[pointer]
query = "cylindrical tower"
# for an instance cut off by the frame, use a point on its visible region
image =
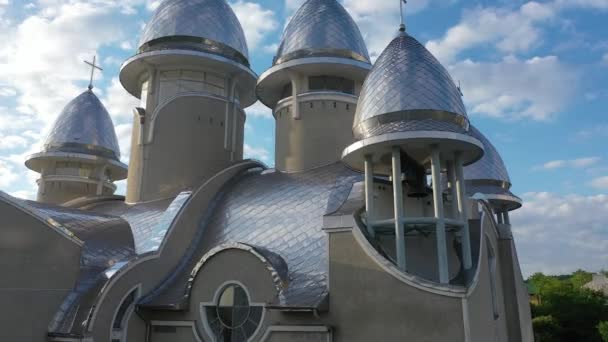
(192, 75)
(489, 177)
(81, 156)
(411, 117)
(313, 85)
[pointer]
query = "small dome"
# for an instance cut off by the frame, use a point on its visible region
(207, 25)
(322, 28)
(407, 90)
(490, 167)
(84, 126)
(489, 176)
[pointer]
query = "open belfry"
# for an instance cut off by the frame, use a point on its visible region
(384, 218)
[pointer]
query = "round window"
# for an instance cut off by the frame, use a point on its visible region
(233, 318)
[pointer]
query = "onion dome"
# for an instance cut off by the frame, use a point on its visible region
(489, 176)
(83, 131)
(409, 90)
(410, 100)
(200, 25)
(322, 28)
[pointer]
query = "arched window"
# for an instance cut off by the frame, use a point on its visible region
(233, 318)
(122, 315)
(492, 274)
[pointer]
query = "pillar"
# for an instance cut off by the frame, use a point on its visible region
(452, 179)
(462, 210)
(369, 194)
(499, 217)
(399, 210)
(442, 253)
(506, 218)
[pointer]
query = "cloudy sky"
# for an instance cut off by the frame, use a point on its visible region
(534, 76)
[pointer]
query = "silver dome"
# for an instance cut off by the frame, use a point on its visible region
(490, 167)
(84, 126)
(408, 89)
(210, 25)
(321, 28)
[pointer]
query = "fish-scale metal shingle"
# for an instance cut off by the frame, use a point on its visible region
(490, 166)
(84, 126)
(407, 78)
(322, 28)
(211, 20)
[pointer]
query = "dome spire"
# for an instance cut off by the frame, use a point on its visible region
(93, 67)
(402, 26)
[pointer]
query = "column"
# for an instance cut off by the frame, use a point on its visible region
(398, 205)
(499, 217)
(442, 253)
(452, 180)
(295, 78)
(369, 194)
(505, 215)
(462, 210)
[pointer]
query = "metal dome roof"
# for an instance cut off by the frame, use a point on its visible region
(490, 167)
(408, 84)
(210, 24)
(322, 28)
(84, 126)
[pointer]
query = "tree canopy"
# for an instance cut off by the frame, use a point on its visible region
(567, 311)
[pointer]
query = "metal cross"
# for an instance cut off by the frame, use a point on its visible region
(93, 67)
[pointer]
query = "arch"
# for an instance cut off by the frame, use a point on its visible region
(123, 313)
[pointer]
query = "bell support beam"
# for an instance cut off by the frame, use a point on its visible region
(462, 210)
(399, 210)
(369, 194)
(442, 253)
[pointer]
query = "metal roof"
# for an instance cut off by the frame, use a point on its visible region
(321, 28)
(84, 126)
(407, 83)
(490, 167)
(210, 23)
(281, 213)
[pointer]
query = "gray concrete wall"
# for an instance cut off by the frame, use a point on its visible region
(362, 294)
(482, 322)
(59, 192)
(186, 148)
(317, 138)
(39, 266)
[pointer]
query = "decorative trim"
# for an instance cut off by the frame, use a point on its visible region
(179, 324)
(297, 328)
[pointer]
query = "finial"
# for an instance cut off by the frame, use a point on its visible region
(402, 26)
(93, 67)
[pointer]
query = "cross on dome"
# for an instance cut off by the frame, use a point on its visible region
(402, 26)
(93, 67)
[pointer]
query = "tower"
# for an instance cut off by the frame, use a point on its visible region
(81, 156)
(411, 121)
(313, 85)
(489, 177)
(192, 75)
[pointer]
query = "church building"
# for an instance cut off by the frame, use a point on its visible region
(384, 218)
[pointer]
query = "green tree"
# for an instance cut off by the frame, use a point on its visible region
(546, 329)
(602, 327)
(580, 278)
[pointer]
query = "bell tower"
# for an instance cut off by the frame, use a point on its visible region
(314, 84)
(191, 73)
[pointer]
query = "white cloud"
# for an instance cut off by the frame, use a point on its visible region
(510, 31)
(7, 174)
(600, 183)
(259, 153)
(24, 194)
(561, 233)
(259, 110)
(12, 142)
(597, 131)
(257, 21)
(605, 59)
(271, 48)
(119, 102)
(579, 163)
(536, 88)
(7, 92)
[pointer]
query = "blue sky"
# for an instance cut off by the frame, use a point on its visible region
(534, 76)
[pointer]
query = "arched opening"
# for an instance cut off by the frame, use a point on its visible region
(121, 317)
